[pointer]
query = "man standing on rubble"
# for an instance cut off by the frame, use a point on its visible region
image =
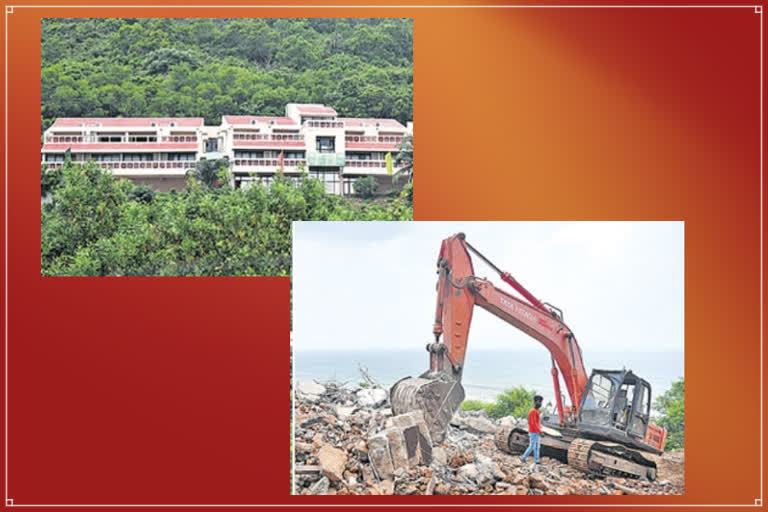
(534, 431)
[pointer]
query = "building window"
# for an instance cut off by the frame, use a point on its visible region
(329, 179)
(326, 144)
(106, 157)
(137, 157)
(54, 157)
(359, 156)
(246, 155)
(186, 157)
(110, 138)
(348, 188)
(142, 138)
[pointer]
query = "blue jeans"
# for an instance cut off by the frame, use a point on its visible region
(534, 444)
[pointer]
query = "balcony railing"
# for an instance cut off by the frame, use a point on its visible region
(268, 163)
(366, 163)
(132, 165)
(324, 124)
(82, 140)
(375, 139)
(269, 136)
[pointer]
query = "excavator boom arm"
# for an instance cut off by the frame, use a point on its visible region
(459, 290)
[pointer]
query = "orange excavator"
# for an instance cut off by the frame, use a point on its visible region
(606, 428)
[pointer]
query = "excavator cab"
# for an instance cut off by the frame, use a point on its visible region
(616, 405)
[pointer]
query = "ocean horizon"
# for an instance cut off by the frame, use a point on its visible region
(487, 372)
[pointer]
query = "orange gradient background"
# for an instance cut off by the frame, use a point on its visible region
(521, 114)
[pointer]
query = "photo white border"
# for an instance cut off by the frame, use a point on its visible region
(758, 9)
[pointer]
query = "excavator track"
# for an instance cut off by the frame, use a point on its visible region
(578, 454)
(609, 459)
(595, 457)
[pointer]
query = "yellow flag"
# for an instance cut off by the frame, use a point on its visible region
(388, 159)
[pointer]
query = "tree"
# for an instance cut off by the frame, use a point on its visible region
(365, 186)
(671, 406)
(96, 225)
(512, 402)
(200, 67)
(404, 158)
(209, 172)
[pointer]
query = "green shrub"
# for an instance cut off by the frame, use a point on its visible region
(49, 179)
(143, 194)
(512, 402)
(475, 405)
(671, 406)
(366, 186)
(96, 225)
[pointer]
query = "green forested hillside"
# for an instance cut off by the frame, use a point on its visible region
(211, 67)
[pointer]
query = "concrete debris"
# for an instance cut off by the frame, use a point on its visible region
(309, 390)
(333, 461)
(372, 397)
(348, 442)
(320, 487)
(473, 424)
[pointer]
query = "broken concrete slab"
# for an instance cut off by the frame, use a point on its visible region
(397, 447)
(333, 461)
(380, 456)
(309, 388)
(372, 397)
(473, 424)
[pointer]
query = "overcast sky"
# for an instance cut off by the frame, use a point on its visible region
(371, 285)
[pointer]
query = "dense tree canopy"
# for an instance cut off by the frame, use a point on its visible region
(210, 67)
(95, 225)
(671, 405)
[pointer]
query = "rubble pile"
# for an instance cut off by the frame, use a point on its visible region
(348, 442)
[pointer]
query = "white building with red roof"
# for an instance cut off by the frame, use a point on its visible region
(160, 151)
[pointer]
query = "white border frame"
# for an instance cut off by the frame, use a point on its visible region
(758, 9)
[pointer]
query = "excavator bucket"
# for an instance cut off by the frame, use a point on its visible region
(439, 397)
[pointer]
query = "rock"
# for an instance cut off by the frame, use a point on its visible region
(397, 448)
(459, 459)
(468, 472)
(380, 456)
(537, 481)
(368, 476)
(488, 468)
(371, 397)
(320, 487)
(346, 440)
(309, 388)
(311, 420)
(361, 450)
(303, 447)
(439, 458)
(431, 485)
(343, 412)
(441, 488)
(386, 487)
(333, 461)
(476, 425)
